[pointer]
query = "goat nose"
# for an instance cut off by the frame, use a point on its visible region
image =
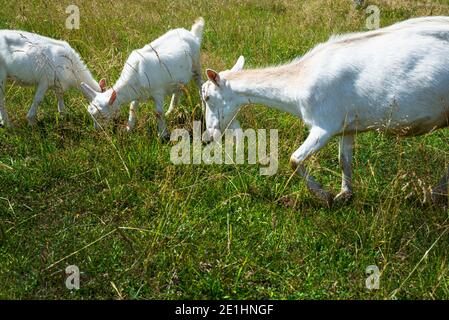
(91, 110)
(205, 139)
(207, 136)
(210, 134)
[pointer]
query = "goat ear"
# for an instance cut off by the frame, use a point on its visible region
(213, 76)
(87, 91)
(239, 64)
(113, 97)
(102, 85)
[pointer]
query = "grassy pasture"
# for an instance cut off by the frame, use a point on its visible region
(139, 227)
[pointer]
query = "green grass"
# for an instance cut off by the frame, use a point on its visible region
(208, 231)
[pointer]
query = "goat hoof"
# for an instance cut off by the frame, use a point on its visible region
(439, 199)
(6, 125)
(165, 137)
(343, 197)
(327, 198)
(31, 122)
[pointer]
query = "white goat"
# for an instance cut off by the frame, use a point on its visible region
(158, 69)
(393, 80)
(31, 59)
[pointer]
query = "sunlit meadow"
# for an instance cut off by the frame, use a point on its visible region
(140, 227)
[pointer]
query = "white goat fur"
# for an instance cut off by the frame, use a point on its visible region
(33, 60)
(393, 80)
(159, 68)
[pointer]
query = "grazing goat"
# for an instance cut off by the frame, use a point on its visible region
(393, 80)
(31, 59)
(159, 68)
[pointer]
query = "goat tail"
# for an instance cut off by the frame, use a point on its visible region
(197, 28)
